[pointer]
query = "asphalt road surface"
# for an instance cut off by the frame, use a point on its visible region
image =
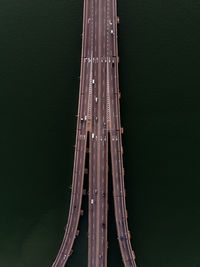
(98, 120)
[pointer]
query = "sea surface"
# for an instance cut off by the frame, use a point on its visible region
(40, 48)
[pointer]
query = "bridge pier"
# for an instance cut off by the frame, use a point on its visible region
(81, 212)
(84, 192)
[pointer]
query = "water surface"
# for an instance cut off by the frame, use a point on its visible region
(159, 79)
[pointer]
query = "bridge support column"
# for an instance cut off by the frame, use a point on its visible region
(81, 212)
(129, 234)
(126, 214)
(123, 171)
(84, 192)
(133, 254)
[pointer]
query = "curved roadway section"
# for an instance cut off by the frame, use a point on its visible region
(117, 160)
(80, 146)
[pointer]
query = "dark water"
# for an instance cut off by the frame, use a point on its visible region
(159, 79)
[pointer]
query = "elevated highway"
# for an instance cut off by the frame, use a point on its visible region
(98, 120)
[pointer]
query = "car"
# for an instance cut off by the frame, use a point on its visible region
(95, 191)
(104, 125)
(96, 99)
(92, 135)
(100, 257)
(82, 119)
(92, 201)
(92, 81)
(112, 32)
(96, 119)
(65, 256)
(121, 238)
(85, 117)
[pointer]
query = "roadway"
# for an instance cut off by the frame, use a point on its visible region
(98, 118)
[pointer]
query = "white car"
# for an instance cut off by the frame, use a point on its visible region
(92, 135)
(92, 201)
(92, 81)
(96, 99)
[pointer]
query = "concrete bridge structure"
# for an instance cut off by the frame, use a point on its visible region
(98, 132)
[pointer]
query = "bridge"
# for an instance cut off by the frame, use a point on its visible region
(98, 132)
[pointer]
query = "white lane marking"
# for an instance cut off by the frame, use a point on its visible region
(90, 91)
(108, 94)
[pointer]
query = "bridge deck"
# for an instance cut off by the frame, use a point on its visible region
(98, 117)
